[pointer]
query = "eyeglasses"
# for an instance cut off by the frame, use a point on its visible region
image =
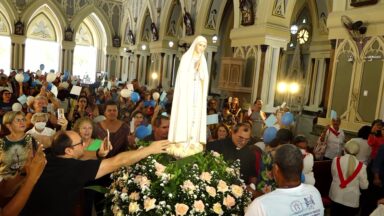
(19, 120)
(80, 143)
(6, 93)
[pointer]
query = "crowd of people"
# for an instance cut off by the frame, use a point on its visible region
(47, 157)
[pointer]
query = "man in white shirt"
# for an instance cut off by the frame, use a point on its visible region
(334, 137)
(291, 197)
(362, 139)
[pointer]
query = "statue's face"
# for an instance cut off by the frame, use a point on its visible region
(200, 48)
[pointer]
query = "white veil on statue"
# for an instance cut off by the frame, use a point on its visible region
(189, 105)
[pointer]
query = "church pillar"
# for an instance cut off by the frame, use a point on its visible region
(161, 71)
(67, 56)
(137, 65)
(269, 77)
(263, 49)
(327, 83)
(18, 51)
(121, 68)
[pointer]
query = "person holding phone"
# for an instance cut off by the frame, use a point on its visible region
(79, 109)
(39, 104)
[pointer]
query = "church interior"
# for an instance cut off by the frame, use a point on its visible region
(317, 59)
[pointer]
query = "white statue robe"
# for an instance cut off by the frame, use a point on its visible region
(189, 105)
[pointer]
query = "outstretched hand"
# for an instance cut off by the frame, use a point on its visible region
(158, 147)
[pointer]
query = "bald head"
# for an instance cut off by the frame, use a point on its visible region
(63, 140)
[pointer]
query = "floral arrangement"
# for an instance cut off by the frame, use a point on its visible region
(202, 184)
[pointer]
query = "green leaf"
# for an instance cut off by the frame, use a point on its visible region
(97, 188)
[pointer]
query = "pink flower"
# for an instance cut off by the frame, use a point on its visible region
(149, 204)
(181, 209)
(222, 186)
(229, 201)
(199, 206)
(206, 176)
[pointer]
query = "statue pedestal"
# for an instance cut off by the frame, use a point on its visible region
(182, 150)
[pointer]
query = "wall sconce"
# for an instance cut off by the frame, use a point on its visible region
(294, 29)
(214, 39)
(154, 75)
(170, 44)
(356, 29)
(350, 58)
(291, 88)
(143, 47)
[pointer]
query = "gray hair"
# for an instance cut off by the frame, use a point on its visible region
(37, 115)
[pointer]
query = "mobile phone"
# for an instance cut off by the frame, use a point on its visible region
(60, 113)
(45, 110)
(107, 143)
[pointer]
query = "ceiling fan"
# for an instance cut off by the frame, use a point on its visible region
(356, 29)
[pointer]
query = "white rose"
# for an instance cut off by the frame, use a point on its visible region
(149, 204)
(181, 209)
(229, 201)
(133, 207)
(198, 206)
(206, 176)
(124, 196)
(134, 196)
(217, 209)
(211, 191)
(237, 191)
(222, 186)
(188, 186)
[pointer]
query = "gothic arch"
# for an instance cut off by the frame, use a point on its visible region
(91, 10)
(239, 53)
(141, 24)
(9, 13)
(368, 46)
(165, 18)
(341, 48)
(128, 23)
(152, 11)
(51, 10)
(200, 20)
